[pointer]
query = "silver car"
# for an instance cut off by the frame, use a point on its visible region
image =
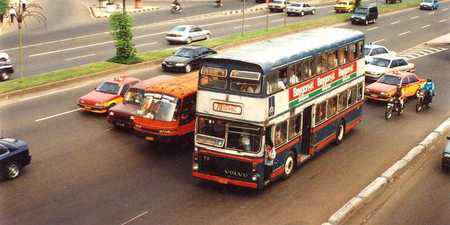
(300, 9)
(187, 34)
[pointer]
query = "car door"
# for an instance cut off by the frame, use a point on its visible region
(306, 8)
(403, 65)
(198, 53)
(198, 33)
(414, 84)
(4, 152)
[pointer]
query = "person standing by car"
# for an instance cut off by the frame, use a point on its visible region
(269, 156)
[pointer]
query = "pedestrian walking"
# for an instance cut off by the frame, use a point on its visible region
(269, 156)
(12, 14)
(24, 5)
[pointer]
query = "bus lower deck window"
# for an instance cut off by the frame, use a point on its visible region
(321, 110)
(342, 101)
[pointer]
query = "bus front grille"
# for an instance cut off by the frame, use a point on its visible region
(225, 167)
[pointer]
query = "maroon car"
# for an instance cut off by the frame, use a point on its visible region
(121, 114)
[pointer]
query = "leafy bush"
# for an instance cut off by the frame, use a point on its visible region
(3, 6)
(121, 31)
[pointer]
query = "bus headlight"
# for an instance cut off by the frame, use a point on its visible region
(195, 166)
(254, 178)
(132, 118)
(111, 113)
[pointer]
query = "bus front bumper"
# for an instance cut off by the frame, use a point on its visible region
(223, 180)
(157, 137)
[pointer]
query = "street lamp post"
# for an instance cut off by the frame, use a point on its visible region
(243, 17)
(123, 7)
(267, 15)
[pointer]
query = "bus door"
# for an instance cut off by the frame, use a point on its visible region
(187, 117)
(306, 136)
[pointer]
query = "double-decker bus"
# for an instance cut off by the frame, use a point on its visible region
(293, 94)
(167, 112)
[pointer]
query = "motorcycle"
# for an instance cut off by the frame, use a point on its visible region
(6, 69)
(423, 101)
(218, 4)
(393, 105)
(175, 9)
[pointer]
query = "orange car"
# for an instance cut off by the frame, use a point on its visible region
(385, 87)
(107, 94)
(168, 110)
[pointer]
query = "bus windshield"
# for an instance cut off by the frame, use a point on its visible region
(134, 96)
(158, 107)
(228, 135)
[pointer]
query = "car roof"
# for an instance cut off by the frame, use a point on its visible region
(192, 47)
(389, 57)
(151, 81)
(179, 86)
(401, 74)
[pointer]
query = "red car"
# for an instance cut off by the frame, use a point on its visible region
(384, 88)
(107, 94)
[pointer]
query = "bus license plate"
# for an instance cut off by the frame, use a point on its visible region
(149, 138)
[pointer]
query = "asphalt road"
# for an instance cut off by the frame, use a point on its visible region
(90, 43)
(86, 172)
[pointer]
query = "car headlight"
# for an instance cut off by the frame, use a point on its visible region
(180, 64)
(447, 155)
(131, 117)
(195, 166)
(111, 113)
(383, 93)
(164, 63)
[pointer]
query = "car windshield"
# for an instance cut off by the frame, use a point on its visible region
(366, 51)
(178, 29)
(185, 52)
(295, 5)
(278, 1)
(158, 107)
(380, 62)
(134, 96)
(389, 79)
(239, 137)
(360, 11)
(108, 87)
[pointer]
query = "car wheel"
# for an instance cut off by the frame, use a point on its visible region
(340, 133)
(208, 36)
(12, 171)
(313, 12)
(302, 13)
(187, 68)
(189, 40)
(4, 75)
(374, 20)
(289, 165)
(366, 22)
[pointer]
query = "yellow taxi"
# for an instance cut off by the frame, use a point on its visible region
(344, 6)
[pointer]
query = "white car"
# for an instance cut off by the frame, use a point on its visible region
(6, 67)
(375, 50)
(300, 8)
(187, 34)
(278, 5)
(380, 65)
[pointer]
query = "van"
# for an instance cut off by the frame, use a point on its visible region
(365, 15)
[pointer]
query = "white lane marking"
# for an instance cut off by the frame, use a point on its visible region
(331, 11)
(148, 35)
(414, 17)
(441, 21)
(444, 9)
(239, 27)
(430, 13)
(277, 20)
(56, 115)
(79, 57)
(378, 41)
(404, 33)
(146, 44)
(134, 218)
(428, 25)
(395, 22)
(372, 28)
(70, 49)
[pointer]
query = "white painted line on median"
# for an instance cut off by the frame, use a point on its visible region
(56, 115)
(441, 21)
(404, 33)
(378, 41)
(70, 49)
(331, 11)
(239, 27)
(372, 28)
(134, 218)
(430, 13)
(395, 22)
(277, 20)
(79, 57)
(414, 17)
(428, 25)
(444, 9)
(149, 35)
(146, 44)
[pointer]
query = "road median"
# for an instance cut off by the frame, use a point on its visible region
(40, 82)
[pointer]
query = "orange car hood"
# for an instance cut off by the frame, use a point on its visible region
(96, 97)
(380, 87)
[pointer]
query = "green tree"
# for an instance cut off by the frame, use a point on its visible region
(121, 31)
(3, 6)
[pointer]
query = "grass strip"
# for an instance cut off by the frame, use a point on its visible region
(227, 41)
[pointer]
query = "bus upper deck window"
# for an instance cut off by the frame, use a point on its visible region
(213, 77)
(351, 52)
(341, 55)
(359, 49)
(245, 81)
(292, 74)
(331, 60)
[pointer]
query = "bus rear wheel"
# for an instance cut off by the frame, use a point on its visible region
(289, 165)
(340, 133)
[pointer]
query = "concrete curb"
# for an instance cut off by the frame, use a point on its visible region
(96, 14)
(377, 186)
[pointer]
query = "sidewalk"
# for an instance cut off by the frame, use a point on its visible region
(440, 41)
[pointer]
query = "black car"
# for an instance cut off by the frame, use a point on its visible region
(186, 58)
(14, 155)
(446, 156)
(365, 14)
(6, 67)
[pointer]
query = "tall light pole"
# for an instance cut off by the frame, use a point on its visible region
(243, 17)
(123, 7)
(267, 15)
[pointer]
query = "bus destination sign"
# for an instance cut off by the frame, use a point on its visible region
(227, 108)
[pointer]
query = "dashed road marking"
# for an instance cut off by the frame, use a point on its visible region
(444, 9)
(430, 13)
(56, 115)
(395, 22)
(79, 57)
(146, 44)
(240, 27)
(372, 28)
(414, 17)
(378, 41)
(428, 25)
(441, 21)
(404, 33)
(420, 51)
(134, 218)
(70, 49)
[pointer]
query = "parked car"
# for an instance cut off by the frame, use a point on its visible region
(187, 34)
(446, 156)
(344, 6)
(300, 9)
(372, 50)
(386, 63)
(429, 4)
(385, 87)
(365, 14)
(278, 5)
(106, 95)
(6, 67)
(14, 155)
(121, 115)
(186, 58)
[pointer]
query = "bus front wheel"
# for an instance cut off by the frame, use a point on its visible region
(340, 133)
(289, 165)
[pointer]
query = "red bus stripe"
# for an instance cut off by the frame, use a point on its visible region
(289, 144)
(223, 180)
(277, 172)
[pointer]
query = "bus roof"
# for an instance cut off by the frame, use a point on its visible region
(280, 51)
(178, 86)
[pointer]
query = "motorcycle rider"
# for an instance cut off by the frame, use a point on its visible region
(399, 97)
(219, 3)
(176, 5)
(430, 90)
